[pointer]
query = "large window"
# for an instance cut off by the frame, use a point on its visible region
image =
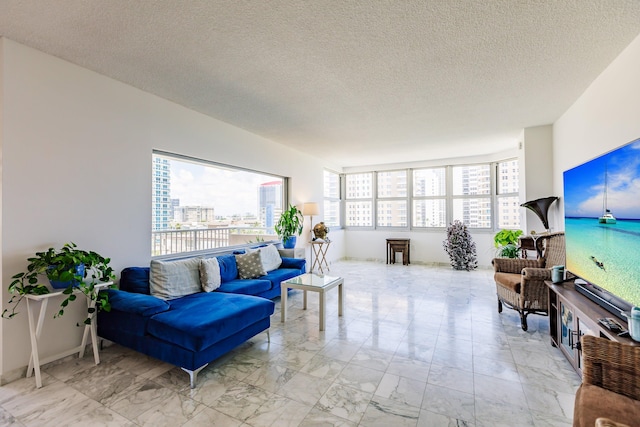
(331, 199)
(199, 205)
(359, 200)
(482, 196)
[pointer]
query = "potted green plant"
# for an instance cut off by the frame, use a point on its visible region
(289, 226)
(506, 242)
(460, 247)
(69, 268)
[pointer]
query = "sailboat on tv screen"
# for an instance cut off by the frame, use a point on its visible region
(607, 217)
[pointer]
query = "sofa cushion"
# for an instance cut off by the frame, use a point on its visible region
(270, 257)
(197, 321)
(250, 265)
(141, 304)
(246, 286)
(135, 279)
(209, 274)
(174, 279)
(280, 275)
(593, 402)
(509, 280)
(228, 267)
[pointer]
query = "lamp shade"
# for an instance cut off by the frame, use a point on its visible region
(310, 208)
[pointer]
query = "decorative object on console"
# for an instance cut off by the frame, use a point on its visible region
(460, 247)
(506, 242)
(320, 231)
(70, 268)
(289, 226)
(541, 208)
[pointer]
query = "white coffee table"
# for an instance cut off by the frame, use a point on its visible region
(314, 283)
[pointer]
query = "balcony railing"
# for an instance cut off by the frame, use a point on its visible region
(168, 242)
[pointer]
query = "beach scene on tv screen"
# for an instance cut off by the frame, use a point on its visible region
(602, 221)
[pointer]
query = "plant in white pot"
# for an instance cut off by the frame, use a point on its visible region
(289, 226)
(68, 268)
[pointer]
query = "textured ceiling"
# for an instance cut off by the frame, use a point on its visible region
(354, 82)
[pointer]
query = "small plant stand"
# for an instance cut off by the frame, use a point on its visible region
(35, 331)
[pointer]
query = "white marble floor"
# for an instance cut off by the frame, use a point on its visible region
(417, 346)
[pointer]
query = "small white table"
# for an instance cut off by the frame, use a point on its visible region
(319, 250)
(314, 283)
(35, 331)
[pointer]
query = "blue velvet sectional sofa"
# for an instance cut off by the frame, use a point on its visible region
(192, 330)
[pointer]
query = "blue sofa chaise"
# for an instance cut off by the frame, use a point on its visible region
(192, 330)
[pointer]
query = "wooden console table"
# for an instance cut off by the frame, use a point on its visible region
(399, 245)
(572, 315)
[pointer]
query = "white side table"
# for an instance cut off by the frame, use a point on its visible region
(314, 283)
(319, 250)
(35, 330)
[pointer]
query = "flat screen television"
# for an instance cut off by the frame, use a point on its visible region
(602, 227)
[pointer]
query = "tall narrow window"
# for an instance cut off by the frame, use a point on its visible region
(359, 200)
(331, 199)
(472, 195)
(199, 205)
(391, 201)
(508, 199)
(429, 198)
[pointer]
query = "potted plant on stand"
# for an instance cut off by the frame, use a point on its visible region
(68, 268)
(506, 242)
(289, 226)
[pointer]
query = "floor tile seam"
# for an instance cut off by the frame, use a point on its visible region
(161, 403)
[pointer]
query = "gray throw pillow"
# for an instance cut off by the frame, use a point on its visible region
(209, 274)
(250, 265)
(174, 279)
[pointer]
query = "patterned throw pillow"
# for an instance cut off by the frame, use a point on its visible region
(250, 265)
(209, 274)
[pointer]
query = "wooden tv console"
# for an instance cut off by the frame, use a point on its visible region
(572, 315)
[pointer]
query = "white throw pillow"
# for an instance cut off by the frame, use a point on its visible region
(270, 258)
(174, 279)
(209, 274)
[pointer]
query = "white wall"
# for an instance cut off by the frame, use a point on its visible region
(606, 116)
(76, 166)
(536, 181)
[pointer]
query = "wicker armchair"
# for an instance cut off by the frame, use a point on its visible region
(520, 282)
(610, 390)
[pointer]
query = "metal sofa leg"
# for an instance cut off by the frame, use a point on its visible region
(193, 375)
(268, 336)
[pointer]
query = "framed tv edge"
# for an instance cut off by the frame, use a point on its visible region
(602, 227)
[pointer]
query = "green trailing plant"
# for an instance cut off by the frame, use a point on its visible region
(62, 266)
(290, 223)
(460, 247)
(506, 242)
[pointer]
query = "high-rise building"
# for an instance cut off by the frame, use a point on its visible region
(162, 211)
(270, 203)
(194, 214)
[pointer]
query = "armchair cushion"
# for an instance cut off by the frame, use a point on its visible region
(593, 402)
(510, 281)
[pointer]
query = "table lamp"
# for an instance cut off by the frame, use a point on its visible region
(310, 209)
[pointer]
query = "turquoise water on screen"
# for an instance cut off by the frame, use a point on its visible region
(616, 246)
